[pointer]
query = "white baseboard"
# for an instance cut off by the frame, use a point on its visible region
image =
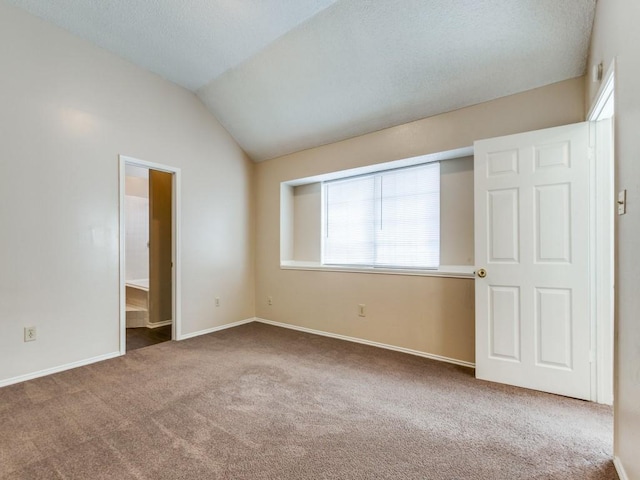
(159, 324)
(88, 361)
(620, 469)
(60, 368)
(216, 329)
(369, 342)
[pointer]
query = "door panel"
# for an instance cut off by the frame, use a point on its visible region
(553, 223)
(504, 322)
(160, 246)
(553, 327)
(503, 226)
(532, 233)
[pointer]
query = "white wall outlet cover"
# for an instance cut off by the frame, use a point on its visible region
(29, 334)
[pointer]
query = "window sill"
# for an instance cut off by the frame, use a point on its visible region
(450, 271)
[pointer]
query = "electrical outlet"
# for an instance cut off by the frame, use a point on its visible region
(270, 300)
(361, 310)
(217, 302)
(29, 334)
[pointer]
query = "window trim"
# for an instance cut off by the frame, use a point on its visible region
(286, 262)
(449, 271)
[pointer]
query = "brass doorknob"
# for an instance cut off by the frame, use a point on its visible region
(481, 273)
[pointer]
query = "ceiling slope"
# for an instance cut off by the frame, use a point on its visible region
(286, 75)
(189, 42)
(361, 66)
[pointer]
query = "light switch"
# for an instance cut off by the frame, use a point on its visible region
(622, 202)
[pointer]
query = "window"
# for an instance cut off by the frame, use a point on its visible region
(387, 219)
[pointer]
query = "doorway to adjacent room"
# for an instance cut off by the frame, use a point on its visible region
(148, 246)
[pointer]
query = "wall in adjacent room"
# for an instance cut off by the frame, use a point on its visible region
(68, 110)
(136, 212)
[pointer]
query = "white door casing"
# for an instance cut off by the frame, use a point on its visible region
(602, 257)
(176, 294)
(533, 326)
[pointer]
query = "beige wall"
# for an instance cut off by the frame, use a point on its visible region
(433, 315)
(616, 34)
(68, 110)
(456, 219)
(307, 218)
(456, 211)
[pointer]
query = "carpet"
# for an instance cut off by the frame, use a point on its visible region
(261, 402)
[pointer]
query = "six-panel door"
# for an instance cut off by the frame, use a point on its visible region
(532, 238)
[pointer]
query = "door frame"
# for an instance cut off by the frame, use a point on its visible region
(176, 291)
(603, 251)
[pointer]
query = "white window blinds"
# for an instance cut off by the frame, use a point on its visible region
(386, 219)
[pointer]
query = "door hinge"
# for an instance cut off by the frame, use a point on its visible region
(591, 153)
(592, 356)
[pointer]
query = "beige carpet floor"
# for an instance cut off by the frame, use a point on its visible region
(260, 402)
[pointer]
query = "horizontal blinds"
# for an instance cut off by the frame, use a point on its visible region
(350, 219)
(387, 219)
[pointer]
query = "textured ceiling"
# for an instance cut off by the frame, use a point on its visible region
(189, 42)
(285, 75)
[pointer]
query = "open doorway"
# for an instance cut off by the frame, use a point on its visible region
(148, 246)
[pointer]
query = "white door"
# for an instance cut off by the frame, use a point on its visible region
(532, 241)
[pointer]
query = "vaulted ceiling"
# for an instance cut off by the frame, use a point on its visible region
(286, 75)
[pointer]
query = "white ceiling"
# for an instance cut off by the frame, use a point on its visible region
(286, 75)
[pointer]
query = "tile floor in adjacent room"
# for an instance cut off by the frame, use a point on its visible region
(145, 337)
